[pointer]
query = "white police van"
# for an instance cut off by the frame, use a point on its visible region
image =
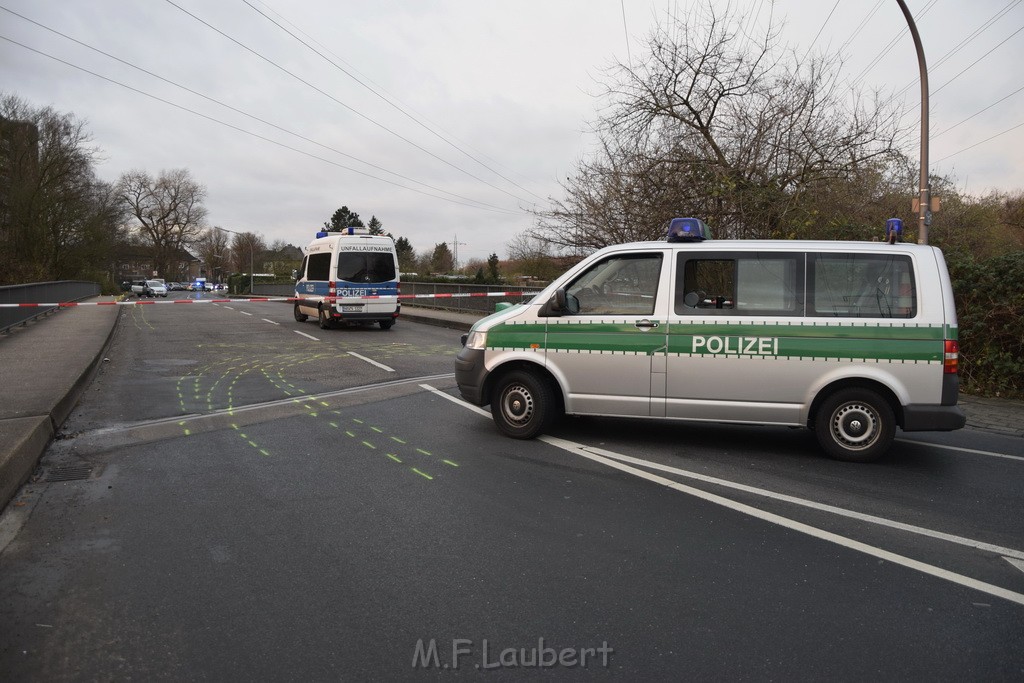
(348, 277)
(849, 339)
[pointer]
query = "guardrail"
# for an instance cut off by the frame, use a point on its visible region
(64, 290)
(460, 304)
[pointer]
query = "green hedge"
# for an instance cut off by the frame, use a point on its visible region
(990, 309)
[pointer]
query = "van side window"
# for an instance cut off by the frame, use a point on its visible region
(319, 267)
(302, 268)
(740, 284)
(862, 286)
(619, 285)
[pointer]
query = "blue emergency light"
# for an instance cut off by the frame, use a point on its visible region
(893, 230)
(344, 231)
(688, 230)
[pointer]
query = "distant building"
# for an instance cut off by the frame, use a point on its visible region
(281, 262)
(135, 262)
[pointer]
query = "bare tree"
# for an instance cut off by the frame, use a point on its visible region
(533, 256)
(212, 248)
(246, 249)
(57, 220)
(714, 124)
(169, 210)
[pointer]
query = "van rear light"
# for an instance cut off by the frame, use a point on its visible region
(951, 359)
(331, 290)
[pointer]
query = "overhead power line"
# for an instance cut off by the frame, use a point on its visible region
(247, 114)
(972, 64)
(979, 112)
(246, 132)
(388, 101)
(967, 39)
(343, 104)
(977, 144)
(890, 45)
(823, 25)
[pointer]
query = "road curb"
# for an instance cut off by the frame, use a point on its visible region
(63, 407)
(26, 439)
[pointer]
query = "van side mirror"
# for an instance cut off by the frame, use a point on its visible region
(295, 274)
(561, 303)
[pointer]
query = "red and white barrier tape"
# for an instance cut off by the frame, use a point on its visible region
(138, 302)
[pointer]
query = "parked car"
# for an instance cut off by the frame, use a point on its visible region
(140, 289)
(158, 288)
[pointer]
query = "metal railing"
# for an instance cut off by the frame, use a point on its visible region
(37, 292)
(463, 304)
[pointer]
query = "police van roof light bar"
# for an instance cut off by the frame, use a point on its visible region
(343, 231)
(688, 230)
(893, 230)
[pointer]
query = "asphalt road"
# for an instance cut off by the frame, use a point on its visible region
(259, 504)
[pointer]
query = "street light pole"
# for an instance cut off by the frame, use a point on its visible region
(924, 202)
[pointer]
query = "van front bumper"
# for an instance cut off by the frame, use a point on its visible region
(922, 418)
(470, 374)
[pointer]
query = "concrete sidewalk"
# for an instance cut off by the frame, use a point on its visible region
(47, 364)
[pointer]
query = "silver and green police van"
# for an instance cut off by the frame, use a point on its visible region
(348, 277)
(849, 339)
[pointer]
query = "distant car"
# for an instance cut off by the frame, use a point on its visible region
(157, 288)
(140, 289)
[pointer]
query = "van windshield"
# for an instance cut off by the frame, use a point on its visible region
(365, 267)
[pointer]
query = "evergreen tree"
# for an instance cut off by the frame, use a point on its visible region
(343, 218)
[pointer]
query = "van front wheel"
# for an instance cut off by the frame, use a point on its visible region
(523, 404)
(300, 317)
(324, 318)
(855, 425)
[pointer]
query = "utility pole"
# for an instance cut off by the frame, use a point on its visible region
(924, 213)
(455, 252)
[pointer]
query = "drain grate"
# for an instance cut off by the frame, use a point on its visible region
(69, 472)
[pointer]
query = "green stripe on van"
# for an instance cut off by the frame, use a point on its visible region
(883, 341)
(505, 336)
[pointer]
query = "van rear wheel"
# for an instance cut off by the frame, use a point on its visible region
(386, 324)
(855, 425)
(523, 404)
(300, 317)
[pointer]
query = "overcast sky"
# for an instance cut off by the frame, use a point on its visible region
(447, 119)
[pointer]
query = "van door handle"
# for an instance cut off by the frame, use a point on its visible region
(646, 324)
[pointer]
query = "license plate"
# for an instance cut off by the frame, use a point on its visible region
(351, 309)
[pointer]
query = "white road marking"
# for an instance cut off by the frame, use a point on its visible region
(230, 308)
(458, 401)
(823, 507)
(269, 321)
(245, 312)
(772, 518)
(962, 450)
(1015, 562)
(371, 362)
(794, 525)
(307, 336)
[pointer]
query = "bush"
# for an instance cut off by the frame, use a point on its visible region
(990, 308)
